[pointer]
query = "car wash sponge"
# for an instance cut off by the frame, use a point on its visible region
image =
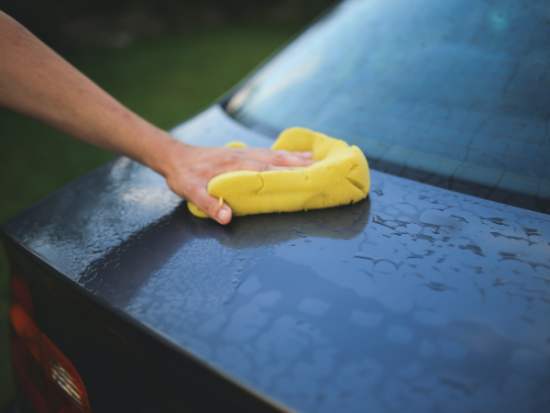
(340, 176)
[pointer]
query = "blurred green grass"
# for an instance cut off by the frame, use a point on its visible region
(165, 80)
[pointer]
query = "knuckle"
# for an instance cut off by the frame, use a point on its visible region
(233, 158)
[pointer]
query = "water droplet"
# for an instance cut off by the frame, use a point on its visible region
(460, 219)
(474, 248)
(376, 260)
(377, 219)
(508, 256)
(498, 221)
(424, 237)
(439, 286)
(532, 231)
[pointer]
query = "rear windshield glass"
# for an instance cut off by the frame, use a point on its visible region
(458, 89)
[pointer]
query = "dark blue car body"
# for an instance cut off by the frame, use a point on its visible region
(417, 299)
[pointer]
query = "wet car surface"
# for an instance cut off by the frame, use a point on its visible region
(417, 299)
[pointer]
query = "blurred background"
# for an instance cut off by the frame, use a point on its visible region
(164, 59)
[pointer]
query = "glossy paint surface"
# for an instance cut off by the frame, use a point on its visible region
(417, 299)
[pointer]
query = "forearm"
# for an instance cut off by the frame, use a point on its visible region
(37, 82)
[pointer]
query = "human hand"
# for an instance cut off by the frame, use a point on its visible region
(188, 170)
(37, 82)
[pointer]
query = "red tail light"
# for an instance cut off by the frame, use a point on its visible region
(48, 379)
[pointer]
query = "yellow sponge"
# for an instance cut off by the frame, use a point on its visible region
(340, 176)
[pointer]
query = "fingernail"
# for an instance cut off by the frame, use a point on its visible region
(223, 215)
(307, 154)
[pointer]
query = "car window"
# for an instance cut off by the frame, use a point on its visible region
(455, 91)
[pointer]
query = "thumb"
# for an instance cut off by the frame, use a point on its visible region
(218, 211)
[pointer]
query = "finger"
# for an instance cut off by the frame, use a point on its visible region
(267, 167)
(249, 165)
(285, 158)
(241, 159)
(305, 155)
(224, 214)
(290, 160)
(211, 205)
